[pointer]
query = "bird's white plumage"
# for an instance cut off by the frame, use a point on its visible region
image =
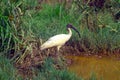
(57, 40)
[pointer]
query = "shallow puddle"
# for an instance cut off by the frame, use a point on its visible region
(106, 68)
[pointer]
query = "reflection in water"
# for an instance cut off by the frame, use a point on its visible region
(106, 68)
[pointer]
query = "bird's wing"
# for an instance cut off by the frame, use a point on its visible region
(56, 37)
(57, 40)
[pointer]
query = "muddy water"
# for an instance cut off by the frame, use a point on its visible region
(106, 68)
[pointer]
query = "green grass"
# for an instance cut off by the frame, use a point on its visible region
(52, 20)
(7, 71)
(106, 38)
(49, 72)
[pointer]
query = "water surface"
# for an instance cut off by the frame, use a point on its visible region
(105, 68)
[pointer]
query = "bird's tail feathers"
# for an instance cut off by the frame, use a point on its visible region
(46, 45)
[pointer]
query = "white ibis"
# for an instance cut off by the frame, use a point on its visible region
(60, 39)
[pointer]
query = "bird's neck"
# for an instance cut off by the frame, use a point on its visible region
(69, 31)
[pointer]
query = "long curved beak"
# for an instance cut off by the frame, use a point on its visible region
(76, 30)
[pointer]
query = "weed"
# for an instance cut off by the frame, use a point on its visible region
(48, 71)
(7, 71)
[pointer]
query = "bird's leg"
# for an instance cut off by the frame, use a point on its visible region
(59, 57)
(58, 53)
(48, 51)
(58, 49)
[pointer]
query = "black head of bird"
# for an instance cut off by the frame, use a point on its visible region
(70, 26)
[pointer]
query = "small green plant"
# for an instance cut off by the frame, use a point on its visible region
(93, 77)
(49, 72)
(7, 71)
(15, 32)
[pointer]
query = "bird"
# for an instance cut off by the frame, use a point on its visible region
(59, 40)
